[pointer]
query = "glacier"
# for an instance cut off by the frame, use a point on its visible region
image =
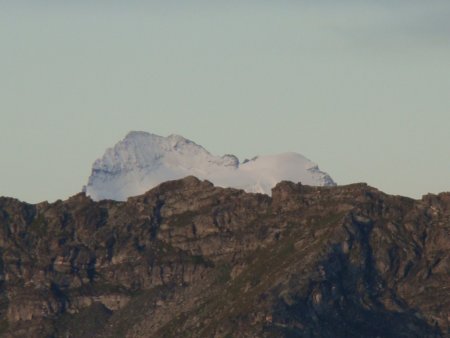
(143, 160)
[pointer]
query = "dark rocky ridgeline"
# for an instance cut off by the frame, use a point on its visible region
(191, 260)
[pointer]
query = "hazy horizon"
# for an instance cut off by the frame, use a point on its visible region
(359, 87)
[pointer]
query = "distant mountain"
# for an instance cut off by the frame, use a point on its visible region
(143, 160)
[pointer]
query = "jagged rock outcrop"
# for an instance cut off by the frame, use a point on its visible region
(188, 259)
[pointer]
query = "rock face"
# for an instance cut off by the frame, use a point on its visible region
(143, 160)
(188, 259)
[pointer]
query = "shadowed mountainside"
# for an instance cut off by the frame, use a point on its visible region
(188, 259)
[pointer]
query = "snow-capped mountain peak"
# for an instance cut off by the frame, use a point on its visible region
(143, 160)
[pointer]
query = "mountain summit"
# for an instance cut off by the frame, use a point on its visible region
(142, 160)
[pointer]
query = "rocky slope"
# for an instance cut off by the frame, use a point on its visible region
(188, 259)
(142, 161)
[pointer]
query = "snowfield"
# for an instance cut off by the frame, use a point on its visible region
(142, 160)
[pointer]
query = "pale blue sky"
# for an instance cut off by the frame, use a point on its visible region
(360, 87)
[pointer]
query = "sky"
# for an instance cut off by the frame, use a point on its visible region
(360, 87)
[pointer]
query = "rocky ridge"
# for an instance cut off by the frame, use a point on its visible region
(188, 259)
